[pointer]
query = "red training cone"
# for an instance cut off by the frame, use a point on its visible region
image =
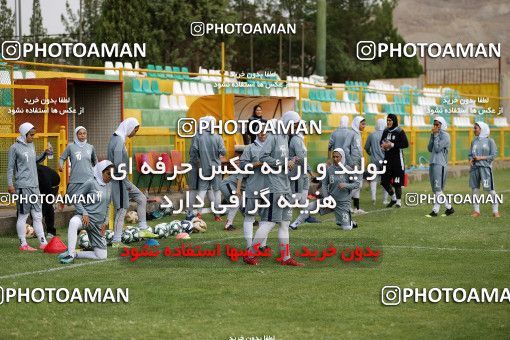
(55, 246)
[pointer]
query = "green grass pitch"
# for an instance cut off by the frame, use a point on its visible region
(213, 299)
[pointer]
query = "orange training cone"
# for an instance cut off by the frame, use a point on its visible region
(55, 246)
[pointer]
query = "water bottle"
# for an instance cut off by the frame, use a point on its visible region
(50, 153)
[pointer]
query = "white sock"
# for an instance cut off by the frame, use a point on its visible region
(38, 226)
(394, 197)
(96, 254)
(283, 237)
(495, 205)
(248, 229)
(399, 202)
(231, 215)
(263, 232)
(75, 224)
(437, 206)
(191, 202)
(373, 189)
(201, 194)
(476, 206)
(385, 196)
(120, 214)
(21, 230)
(141, 210)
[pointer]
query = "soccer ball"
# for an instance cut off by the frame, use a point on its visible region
(199, 225)
(134, 231)
(127, 236)
(30, 231)
(108, 235)
(174, 227)
(187, 226)
(83, 241)
(161, 230)
(132, 217)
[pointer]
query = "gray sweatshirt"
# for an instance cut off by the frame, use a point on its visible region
(82, 160)
(274, 152)
(117, 153)
(98, 210)
(332, 180)
(483, 147)
(22, 164)
(439, 145)
(257, 181)
(373, 147)
(208, 148)
(297, 149)
(345, 138)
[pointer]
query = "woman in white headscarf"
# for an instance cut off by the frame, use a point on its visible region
(22, 165)
(354, 153)
(82, 157)
(123, 190)
(91, 216)
(373, 149)
(482, 153)
(339, 186)
(439, 146)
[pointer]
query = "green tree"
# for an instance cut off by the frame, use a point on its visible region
(7, 21)
(37, 30)
(91, 12)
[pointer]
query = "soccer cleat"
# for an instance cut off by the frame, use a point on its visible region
(230, 228)
(119, 245)
(217, 218)
(496, 214)
(42, 246)
(62, 255)
(398, 205)
(49, 236)
(66, 260)
(199, 215)
(189, 217)
(293, 226)
(373, 202)
(385, 202)
(26, 247)
(263, 249)
(292, 262)
(145, 233)
(359, 212)
(475, 214)
(448, 212)
(392, 203)
(252, 261)
(311, 219)
(431, 214)
(354, 225)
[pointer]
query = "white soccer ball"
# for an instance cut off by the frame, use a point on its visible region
(127, 236)
(199, 225)
(30, 233)
(83, 241)
(161, 230)
(174, 227)
(135, 232)
(132, 217)
(187, 226)
(108, 236)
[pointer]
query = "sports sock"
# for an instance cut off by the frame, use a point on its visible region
(248, 229)
(21, 230)
(120, 214)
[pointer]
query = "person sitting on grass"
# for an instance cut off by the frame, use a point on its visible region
(339, 186)
(91, 216)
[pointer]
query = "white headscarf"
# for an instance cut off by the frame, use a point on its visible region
(126, 127)
(344, 121)
(210, 121)
(98, 171)
(291, 116)
(381, 124)
(76, 140)
(355, 123)
(485, 131)
(23, 130)
(342, 153)
(441, 120)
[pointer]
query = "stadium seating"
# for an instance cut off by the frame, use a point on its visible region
(30, 75)
(109, 64)
(135, 84)
(163, 102)
(155, 87)
(146, 87)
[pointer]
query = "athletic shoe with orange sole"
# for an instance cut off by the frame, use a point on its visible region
(43, 246)
(217, 218)
(26, 247)
(292, 262)
(496, 215)
(475, 214)
(252, 261)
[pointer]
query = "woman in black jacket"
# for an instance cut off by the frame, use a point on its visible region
(393, 140)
